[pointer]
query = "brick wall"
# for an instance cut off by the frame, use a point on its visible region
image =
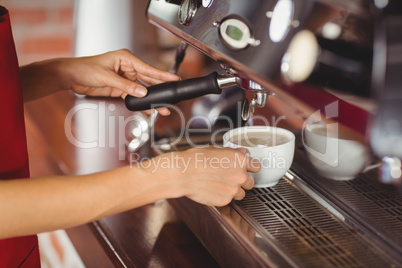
(45, 29)
(42, 28)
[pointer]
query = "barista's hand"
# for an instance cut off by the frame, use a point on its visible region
(115, 74)
(211, 176)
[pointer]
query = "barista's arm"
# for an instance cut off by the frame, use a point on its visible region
(113, 74)
(209, 176)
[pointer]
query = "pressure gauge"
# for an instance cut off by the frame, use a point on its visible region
(236, 34)
(187, 11)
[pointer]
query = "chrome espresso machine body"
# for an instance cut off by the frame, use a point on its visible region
(354, 49)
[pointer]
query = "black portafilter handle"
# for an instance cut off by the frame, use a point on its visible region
(168, 93)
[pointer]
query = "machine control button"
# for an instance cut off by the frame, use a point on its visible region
(187, 11)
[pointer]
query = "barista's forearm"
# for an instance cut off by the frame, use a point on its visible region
(29, 206)
(42, 78)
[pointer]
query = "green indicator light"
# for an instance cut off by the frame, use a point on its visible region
(234, 32)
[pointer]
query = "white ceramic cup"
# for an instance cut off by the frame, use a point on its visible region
(275, 159)
(333, 154)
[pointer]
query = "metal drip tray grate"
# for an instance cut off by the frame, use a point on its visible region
(374, 208)
(309, 221)
(309, 234)
(388, 201)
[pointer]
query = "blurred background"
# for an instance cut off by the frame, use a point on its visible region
(46, 29)
(42, 28)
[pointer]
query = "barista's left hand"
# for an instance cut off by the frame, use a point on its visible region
(116, 74)
(113, 74)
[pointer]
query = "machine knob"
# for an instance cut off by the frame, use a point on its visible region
(187, 11)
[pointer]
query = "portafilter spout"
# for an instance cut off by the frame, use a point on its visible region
(260, 93)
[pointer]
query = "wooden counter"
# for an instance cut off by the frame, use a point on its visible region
(149, 236)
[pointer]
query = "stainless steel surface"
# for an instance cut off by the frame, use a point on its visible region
(227, 81)
(245, 110)
(259, 100)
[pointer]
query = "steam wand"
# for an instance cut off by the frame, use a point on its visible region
(141, 130)
(180, 54)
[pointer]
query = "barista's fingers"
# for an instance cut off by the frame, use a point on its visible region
(249, 184)
(160, 78)
(253, 164)
(241, 149)
(145, 72)
(240, 194)
(114, 80)
(164, 111)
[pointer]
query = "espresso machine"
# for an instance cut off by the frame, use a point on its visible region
(300, 52)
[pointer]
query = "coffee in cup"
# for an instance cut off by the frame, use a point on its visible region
(256, 139)
(272, 146)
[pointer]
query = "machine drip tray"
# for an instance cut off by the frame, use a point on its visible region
(291, 228)
(304, 221)
(308, 232)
